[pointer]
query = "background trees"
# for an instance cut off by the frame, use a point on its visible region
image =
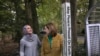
(16, 13)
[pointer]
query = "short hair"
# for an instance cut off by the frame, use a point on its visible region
(52, 28)
(23, 30)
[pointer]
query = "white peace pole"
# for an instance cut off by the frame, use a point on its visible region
(66, 28)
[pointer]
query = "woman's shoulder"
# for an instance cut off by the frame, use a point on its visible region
(35, 35)
(45, 37)
(23, 39)
(59, 35)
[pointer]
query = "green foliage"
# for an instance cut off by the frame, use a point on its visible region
(9, 19)
(82, 8)
(6, 15)
(48, 11)
(81, 50)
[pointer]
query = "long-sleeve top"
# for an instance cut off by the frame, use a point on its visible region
(29, 45)
(54, 48)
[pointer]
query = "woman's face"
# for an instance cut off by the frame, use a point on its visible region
(46, 30)
(27, 29)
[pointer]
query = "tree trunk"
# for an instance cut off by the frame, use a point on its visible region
(91, 3)
(28, 12)
(31, 15)
(18, 17)
(34, 17)
(73, 22)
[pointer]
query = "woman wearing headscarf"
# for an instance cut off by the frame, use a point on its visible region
(52, 41)
(29, 43)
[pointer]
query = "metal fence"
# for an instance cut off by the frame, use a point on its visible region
(93, 31)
